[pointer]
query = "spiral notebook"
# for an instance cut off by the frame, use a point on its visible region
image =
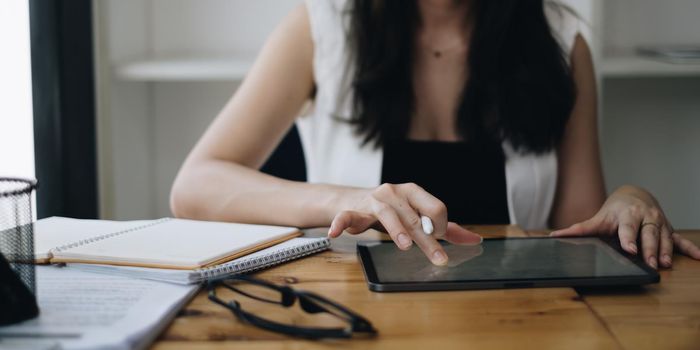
(277, 254)
(164, 243)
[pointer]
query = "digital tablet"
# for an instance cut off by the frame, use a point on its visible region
(505, 263)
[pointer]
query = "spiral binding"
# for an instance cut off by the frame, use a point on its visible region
(109, 235)
(252, 264)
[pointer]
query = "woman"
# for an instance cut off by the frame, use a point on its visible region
(484, 107)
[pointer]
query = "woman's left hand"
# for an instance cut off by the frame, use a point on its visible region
(631, 212)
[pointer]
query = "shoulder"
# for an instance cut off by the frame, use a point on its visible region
(564, 23)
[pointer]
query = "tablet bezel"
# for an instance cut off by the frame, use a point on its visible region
(651, 276)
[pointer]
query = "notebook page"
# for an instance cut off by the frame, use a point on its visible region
(57, 231)
(178, 243)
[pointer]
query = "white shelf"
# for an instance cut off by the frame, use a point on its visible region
(184, 69)
(631, 66)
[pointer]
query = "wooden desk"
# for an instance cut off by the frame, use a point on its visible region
(664, 316)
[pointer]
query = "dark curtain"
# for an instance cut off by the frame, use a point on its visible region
(64, 107)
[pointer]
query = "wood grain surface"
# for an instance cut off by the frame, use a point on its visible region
(664, 316)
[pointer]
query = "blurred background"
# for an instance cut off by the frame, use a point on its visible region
(163, 69)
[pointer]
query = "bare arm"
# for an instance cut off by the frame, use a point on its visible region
(219, 180)
(580, 185)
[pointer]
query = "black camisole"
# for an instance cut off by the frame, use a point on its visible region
(469, 178)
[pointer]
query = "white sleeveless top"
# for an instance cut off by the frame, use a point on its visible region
(335, 155)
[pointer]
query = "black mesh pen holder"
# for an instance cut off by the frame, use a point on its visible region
(17, 270)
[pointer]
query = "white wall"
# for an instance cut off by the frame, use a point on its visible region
(147, 128)
(124, 127)
(214, 27)
(629, 23)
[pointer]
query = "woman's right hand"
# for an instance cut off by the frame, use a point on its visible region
(398, 209)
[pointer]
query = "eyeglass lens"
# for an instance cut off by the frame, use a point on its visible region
(253, 291)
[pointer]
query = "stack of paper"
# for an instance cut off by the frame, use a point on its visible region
(82, 310)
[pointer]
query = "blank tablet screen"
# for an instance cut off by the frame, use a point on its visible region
(504, 259)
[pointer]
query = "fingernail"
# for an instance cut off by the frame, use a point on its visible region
(667, 260)
(404, 241)
(632, 247)
(652, 262)
(481, 240)
(439, 258)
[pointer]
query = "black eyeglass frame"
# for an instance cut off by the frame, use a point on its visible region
(310, 302)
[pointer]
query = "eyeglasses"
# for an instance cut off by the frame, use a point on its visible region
(285, 296)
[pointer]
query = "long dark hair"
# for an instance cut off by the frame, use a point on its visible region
(519, 89)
